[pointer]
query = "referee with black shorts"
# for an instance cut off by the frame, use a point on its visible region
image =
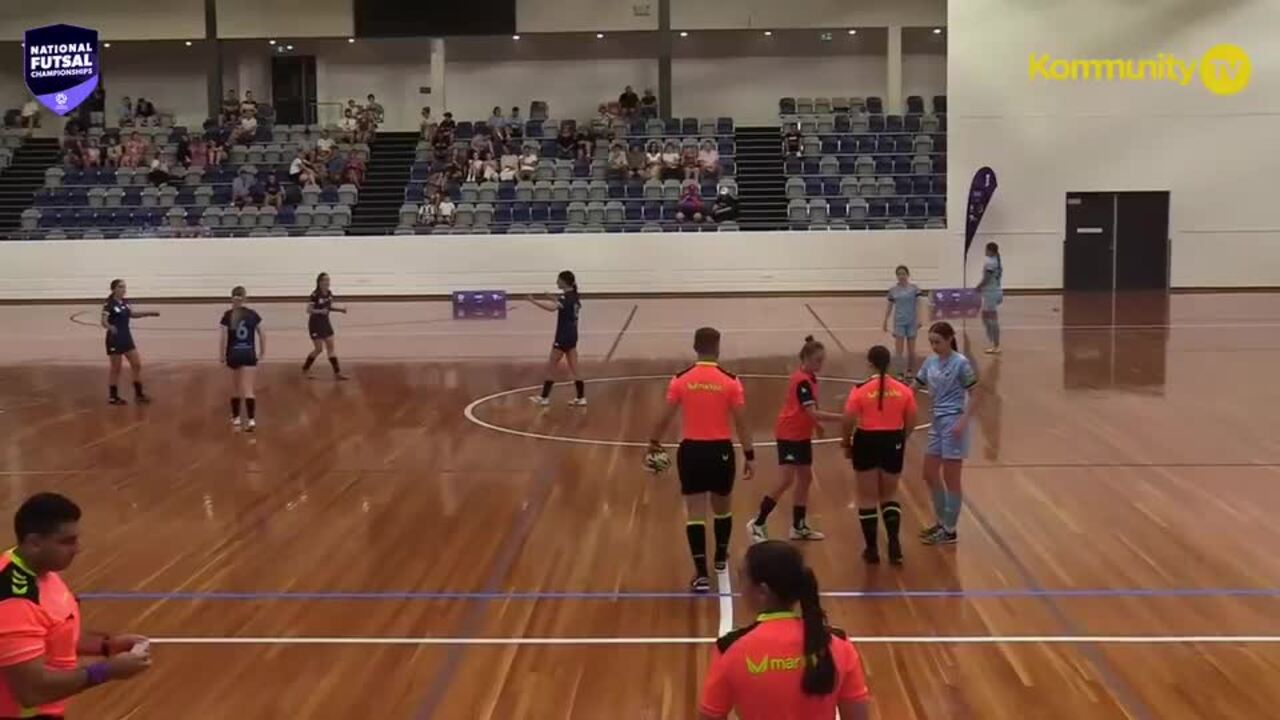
(710, 401)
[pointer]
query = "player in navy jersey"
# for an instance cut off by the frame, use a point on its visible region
(116, 314)
(319, 306)
(566, 307)
(242, 345)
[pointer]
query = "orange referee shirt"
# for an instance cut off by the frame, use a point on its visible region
(757, 671)
(794, 422)
(38, 616)
(707, 395)
(864, 401)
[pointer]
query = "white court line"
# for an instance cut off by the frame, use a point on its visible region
(469, 412)
(875, 639)
(726, 602)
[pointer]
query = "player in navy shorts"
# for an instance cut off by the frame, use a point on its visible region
(567, 308)
(243, 344)
(319, 306)
(116, 314)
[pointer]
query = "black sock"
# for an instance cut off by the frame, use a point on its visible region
(137, 389)
(114, 390)
(798, 513)
(546, 388)
(870, 519)
(311, 359)
(892, 513)
(235, 407)
(766, 506)
(724, 529)
(333, 362)
(581, 388)
(696, 533)
(250, 406)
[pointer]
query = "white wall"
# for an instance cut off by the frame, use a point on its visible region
(573, 88)
(285, 18)
(1215, 154)
(113, 19)
(170, 75)
(924, 75)
(731, 14)
(727, 262)
(586, 15)
(393, 70)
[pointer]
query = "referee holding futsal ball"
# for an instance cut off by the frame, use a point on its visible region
(40, 638)
(710, 401)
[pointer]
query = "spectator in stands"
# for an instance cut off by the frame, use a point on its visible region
(653, 160)
(691, 206)
(114, 152)
(215, 152)
(515, 119)
(273, 194)
(708, 160)
(199, 152)
(528, 163)
(442, 143)
(496, 118)
(30, 117)
(566, 142)
(73, 140)
(325, 146)
(439, 211)
(351, 107)
(649, 104)
(159, 173)
(501, 137)
(629, 102)
(247, 130)
(230, 107)
(515, 126)
(725, 207)
(488, 167)
(135, 149)
(71, 160)
(586, 143)
(356, 168)
(145, 113)
(448, 124)
(619, 165)
(480, 143)
(97, 103)
(508, 166)
(636, 161)
(300, 171)
(183, 155)
(671, 162)
(427, 124)
(348, 124)
(241, 188)
(248, 105)
(456, 170)
(376, 113)
(126, 112)
(689, 161)
(792, 140)
(602, 124)
(335, 169)
(435, 184)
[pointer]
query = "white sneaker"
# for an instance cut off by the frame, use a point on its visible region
(806, 533)
(540, 401)
(235, 423)
(758, 533)
(578, 402)
(992, 351)
(251, 425)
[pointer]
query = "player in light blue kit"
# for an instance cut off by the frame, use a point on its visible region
(950, 379)
(992, 295)
(904, 304)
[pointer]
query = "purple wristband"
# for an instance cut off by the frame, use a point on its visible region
(97, 673)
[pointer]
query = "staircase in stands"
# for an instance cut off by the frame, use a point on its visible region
(20, 181)
(390, 159)
(761, 181)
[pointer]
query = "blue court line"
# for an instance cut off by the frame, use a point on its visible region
(643, 595)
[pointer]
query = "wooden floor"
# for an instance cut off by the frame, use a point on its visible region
(371, 552)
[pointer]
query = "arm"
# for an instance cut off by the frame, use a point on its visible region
(262, 342)
(111, 329)
(543, 303)
(145, 313)
(664, 421)
(847, 426)
(888, 310)
(748, 445)
(33, 684)
(222, 344)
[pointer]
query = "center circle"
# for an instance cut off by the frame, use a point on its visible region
(470, 411)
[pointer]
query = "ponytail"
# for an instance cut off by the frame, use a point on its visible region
(879, 358)
(820, 668)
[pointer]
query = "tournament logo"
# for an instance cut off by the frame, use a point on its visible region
(60, 65)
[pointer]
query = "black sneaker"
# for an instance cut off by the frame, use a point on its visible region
(926, 532)
(721, 565)
(700, 585)
(871, 556)
(142, 399)
(117, 401)
(895, 552)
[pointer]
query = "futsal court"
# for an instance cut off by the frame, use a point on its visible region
(422, 542)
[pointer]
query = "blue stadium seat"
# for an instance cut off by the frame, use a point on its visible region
(921, 185)
(884, 165)
(939, 164)
(893, 123)
(837, 208)
(902, 165)
(635, 189)
(830, 146)
(875, 123)
(875, 105)
(812, 186)
(937, 207)
(726, 147)
(724, 126)
(502, 214)
(842, 123)
(465, 130)
(793, 166)
(634, 211)
(539, 212)
(912, 123)
(902, 185)
(558, 212)
(847, 164)
(917, 207)
(787, 106)
(810, 166)
(831, 186)
(939, 184)
(506, 191)
(877, 208)
(689, 126)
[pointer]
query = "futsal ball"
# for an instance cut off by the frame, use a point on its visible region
(656, 461)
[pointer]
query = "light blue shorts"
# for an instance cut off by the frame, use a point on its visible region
(944, 443)
(905, 330)
(991, 299)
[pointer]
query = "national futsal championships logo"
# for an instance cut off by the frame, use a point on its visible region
(60, 65)
(1223, 69)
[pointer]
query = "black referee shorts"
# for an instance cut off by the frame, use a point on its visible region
(706, 466)
(879, 450)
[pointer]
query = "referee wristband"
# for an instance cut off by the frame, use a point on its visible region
(97, 674)
(749, 454)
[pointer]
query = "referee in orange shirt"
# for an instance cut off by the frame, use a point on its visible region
(40, 638)
(710, 401)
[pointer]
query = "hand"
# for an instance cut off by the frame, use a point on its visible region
(748, 470)
(819, 431)
(958, 429)
(655, 446)
(117, 644)
(885, 326)
(848, 451)
(112, 330)
(126, 665)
